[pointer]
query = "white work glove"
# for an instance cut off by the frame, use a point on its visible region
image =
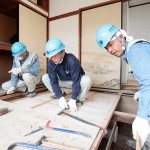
(15, 71)
(136, 96)
(63, 103)
(72, 105)
(11, 90)
(142, 127)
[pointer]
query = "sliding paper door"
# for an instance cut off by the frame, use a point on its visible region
(33, 33)
(103, 68)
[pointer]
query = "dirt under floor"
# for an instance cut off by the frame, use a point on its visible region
(124, 133)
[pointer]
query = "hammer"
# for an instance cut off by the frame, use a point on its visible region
(48, 143)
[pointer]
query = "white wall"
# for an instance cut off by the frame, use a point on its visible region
(59, 7)
(139, 22)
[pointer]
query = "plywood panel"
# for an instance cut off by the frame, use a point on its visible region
(33, 33)
(21, 121)
(98, 107)
(103, 68)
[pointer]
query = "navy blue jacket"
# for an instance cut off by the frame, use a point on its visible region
(69, 70)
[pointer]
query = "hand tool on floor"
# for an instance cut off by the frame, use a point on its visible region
(82, 120)
(3, 111)
(32, 146)
(45, 142)
(47, 126)
(34, 131)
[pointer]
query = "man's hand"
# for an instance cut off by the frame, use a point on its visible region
(15, 71)
(136, 96)
(11, 90)
(142, 127)
(63, 103)
(72, 105)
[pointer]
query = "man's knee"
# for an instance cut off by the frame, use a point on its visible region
(86, 81)
(27, 77)
(45, 78)
(6, 86)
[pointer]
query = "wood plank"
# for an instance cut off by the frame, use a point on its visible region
(124, 117)
(130, 92)
(23, 120)
(18, 95)
(5, 46)
(98, 109)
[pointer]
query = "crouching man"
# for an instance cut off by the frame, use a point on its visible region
(64, 70)
(25, 71)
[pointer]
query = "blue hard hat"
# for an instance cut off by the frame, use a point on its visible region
(18, 48)
(54, 46)
(105, 33)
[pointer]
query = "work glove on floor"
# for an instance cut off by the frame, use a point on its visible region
(72, 105)
(142, 127)
(15, 71)
(136, 96)
(63, 103)
(11, 90)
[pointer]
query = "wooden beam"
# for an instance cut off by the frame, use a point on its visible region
(123, 117)
(18, 95)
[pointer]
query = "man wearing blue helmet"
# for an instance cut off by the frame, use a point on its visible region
(24, 72)
(137, 54)
(64, 70)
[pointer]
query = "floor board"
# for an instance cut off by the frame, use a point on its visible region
(28, 114)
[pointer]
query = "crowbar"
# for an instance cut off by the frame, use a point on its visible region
(34, 131)
(82, 120)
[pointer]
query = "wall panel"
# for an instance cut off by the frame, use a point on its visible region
(103, 68)
(66, 29)
(33, 33)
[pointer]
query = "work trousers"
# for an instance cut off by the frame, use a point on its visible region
(147, 144)
(29, 81)
(85, 83)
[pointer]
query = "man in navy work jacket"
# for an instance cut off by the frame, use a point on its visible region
(64, 70)
(137, 54)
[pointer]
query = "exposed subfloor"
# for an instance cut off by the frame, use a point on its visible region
(124, 133)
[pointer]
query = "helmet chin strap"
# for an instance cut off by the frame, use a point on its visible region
(121, 41)
(61, 61)
(62, 57)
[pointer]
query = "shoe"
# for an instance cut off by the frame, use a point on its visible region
(79, 103)
(31, 94)
(131, 143)
(54, 96)
(25, 92)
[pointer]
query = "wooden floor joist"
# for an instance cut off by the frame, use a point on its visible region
(40, 88)
(124, 117)
(122, 92)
